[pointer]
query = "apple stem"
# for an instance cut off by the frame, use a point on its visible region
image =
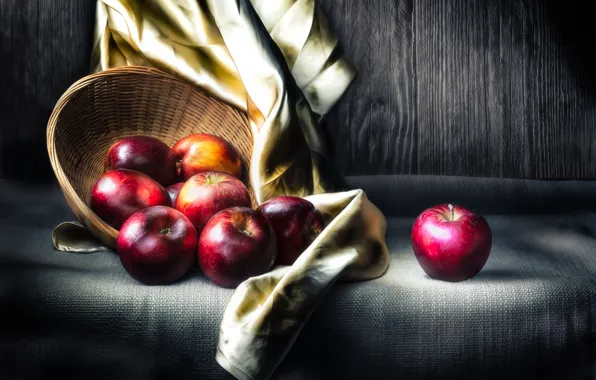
(452, 212)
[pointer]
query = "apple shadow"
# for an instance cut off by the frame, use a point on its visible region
(493, 275)
(503, 274)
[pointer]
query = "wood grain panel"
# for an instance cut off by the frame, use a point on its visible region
(45, 46)
(498, 88)
(454, 62)
(374, 127)
(562, 94)
(476, 88)
(496, 94)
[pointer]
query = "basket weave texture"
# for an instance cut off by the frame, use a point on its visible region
(102, 108)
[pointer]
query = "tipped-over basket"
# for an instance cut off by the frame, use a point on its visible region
(102, 108)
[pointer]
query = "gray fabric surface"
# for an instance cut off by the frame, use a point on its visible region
(528, 314)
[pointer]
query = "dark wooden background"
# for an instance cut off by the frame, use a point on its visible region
(494, 88)
(45, 46)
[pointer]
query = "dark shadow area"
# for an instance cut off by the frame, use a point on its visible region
(350, 354)
(45, 46)
(572, 22)
(23, 150)
(32, 206)
(72, 357)
(27, 270)
(36, 216)
(540, 247)
(58, 327)
(35, 347)
(505, 274)
(584, 225)
(27, 159)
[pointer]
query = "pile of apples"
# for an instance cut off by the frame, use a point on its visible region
(176, 206)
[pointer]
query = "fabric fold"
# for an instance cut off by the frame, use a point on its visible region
(275, 61)
(266, 313)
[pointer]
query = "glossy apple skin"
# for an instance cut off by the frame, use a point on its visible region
(203, 153)
(205, 194)
(237, 243)
(144, 154)
(174, 190)
(118, 194)
(451, 244)
(296, 223)
(157, 245)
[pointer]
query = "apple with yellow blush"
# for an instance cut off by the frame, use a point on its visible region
(203, 152)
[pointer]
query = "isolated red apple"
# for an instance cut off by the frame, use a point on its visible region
(203, 153)
(173, 190)
(206, 194)
(144, 154)
(296, 223)
(237, 243)
(157, 245)
(118, 194)
(451, 243)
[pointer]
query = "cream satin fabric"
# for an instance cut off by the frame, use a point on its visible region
(232, 49)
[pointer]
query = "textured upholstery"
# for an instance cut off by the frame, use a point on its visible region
(528, 313)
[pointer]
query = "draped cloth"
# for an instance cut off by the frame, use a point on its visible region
(278, 62)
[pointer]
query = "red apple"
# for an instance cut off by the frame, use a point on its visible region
(204, 153)
(237, 243)
(206, 194)
(296, 223)
(157, 245)
(451, 243)
(173, 190)
(118, 194)
(144, 154)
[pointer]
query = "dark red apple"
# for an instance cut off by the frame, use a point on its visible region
(205, 153)
(173, 190)
(118, 194)
(296, 223)
(144, 154)
(451, 243)
(157, 245)
(237, 243)
(206, 194)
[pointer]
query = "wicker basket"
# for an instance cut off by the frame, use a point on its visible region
(102, 108)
